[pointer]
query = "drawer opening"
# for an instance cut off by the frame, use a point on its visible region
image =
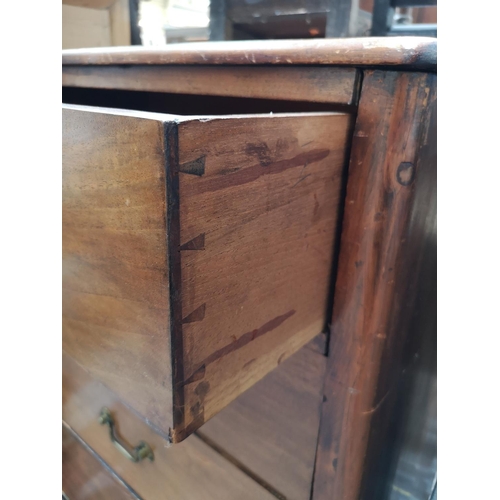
(184, 104)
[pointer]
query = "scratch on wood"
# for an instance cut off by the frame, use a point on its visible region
(301, 179)
(377, 406)
(248, 363)
(280, 359)
(403, 492)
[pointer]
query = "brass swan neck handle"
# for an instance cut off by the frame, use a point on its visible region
(140, 452)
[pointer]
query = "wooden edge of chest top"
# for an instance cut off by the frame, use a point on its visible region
(410, 53)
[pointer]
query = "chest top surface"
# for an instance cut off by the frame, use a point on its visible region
(414, 53)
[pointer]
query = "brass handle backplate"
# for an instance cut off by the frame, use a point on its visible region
(141, 451)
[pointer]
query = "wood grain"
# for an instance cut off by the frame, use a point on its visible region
(115, 266)
(408, 368)
(197, 252)
(272, 429)
(404, 52)
(85, 477)
(323, 84)
(186, 471)
(389, 218)
(265, 194)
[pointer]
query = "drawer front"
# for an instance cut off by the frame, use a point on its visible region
(185, 471)
(85, 477)
(115, 300)
(314, 84)
(197, 253)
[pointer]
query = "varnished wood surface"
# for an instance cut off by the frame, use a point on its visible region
(405, 52)
(207, 243)
(259, 200)
(405, 425)
(187, 471)
(272, 429)
(323, 84)
(85, 477)
(389, 219)
(115, 265)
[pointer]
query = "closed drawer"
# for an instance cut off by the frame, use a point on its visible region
(187, 471)
(85, 477)
(197, 252)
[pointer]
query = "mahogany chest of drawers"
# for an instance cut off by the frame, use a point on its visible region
(248, 266)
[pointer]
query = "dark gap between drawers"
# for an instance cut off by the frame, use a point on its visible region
(240, 465)
(184, 104)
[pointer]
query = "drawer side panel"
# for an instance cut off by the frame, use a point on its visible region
(115, 280)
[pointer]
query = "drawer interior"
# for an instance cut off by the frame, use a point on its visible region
(192, 104)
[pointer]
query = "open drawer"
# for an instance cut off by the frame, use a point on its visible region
(197, 251)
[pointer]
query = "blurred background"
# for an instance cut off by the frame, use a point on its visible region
(104, 23)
